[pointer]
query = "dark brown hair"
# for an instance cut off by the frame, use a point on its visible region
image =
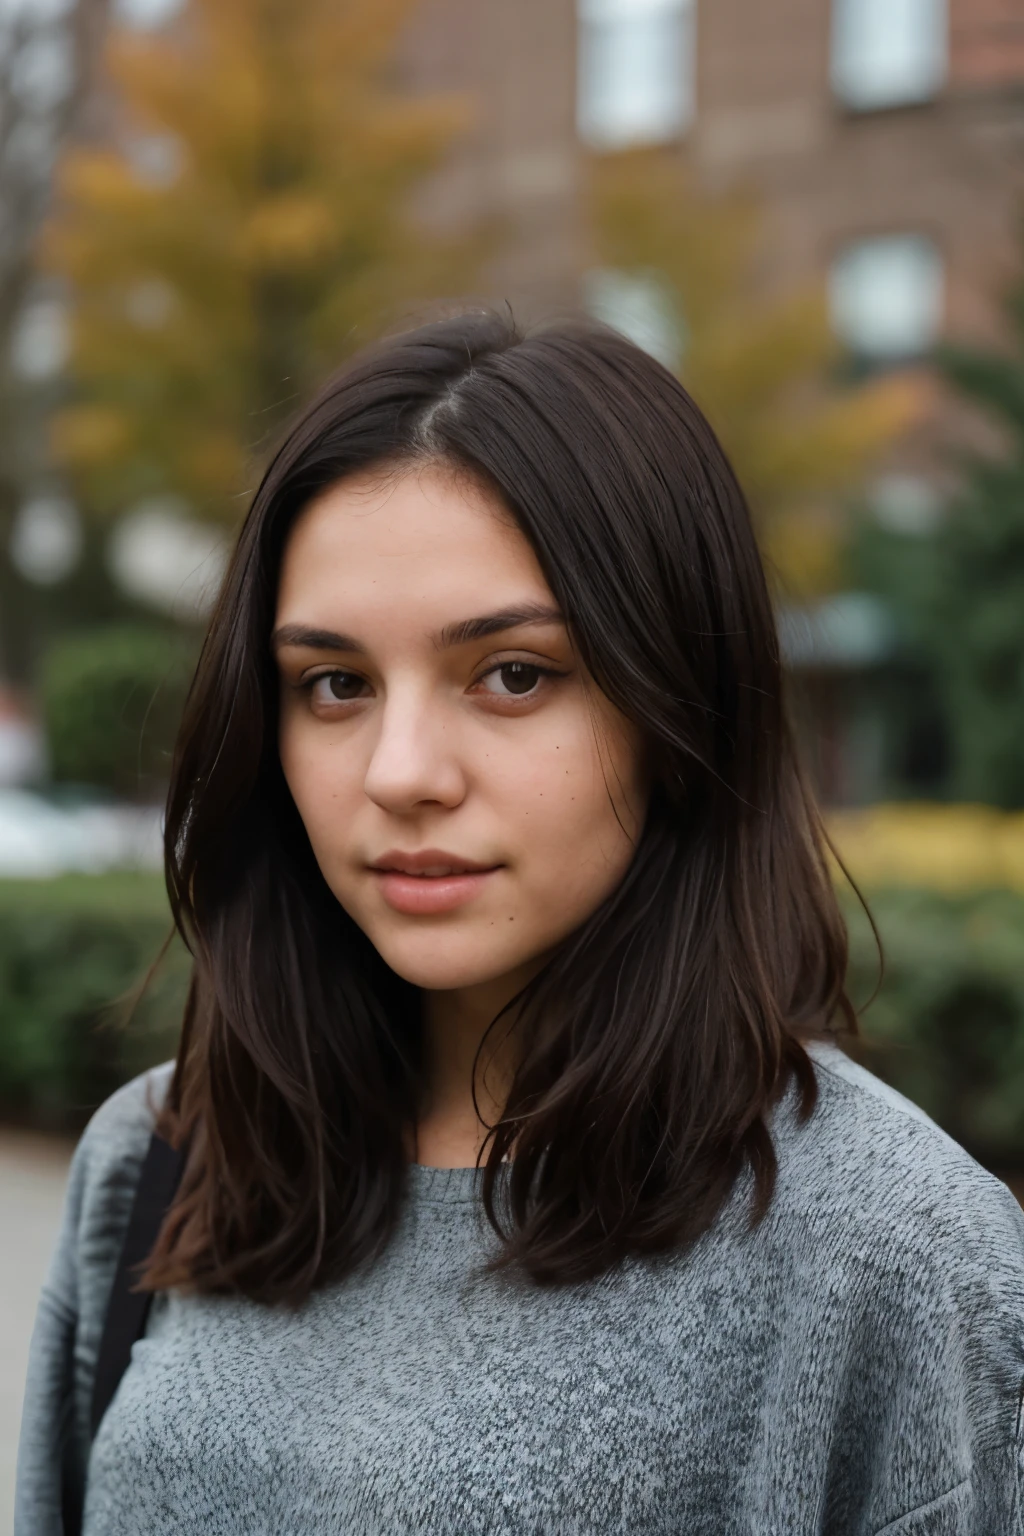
(657, 1039)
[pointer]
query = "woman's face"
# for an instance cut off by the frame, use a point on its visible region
(470, 795)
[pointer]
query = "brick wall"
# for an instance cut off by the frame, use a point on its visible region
(952, 169)
(986, 42)
(517, 164)
(762, 82)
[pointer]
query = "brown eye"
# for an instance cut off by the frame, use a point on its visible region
(512, 679)
(338, 687)
(345, 685)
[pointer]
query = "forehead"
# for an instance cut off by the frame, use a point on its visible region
(425, 537)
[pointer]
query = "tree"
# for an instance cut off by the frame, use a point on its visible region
(48, 54)
(47, 57)
(111, 698)
(758, 365)
(960, 593)
(248, 226)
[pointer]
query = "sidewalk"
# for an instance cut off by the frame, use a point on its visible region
(33, 1171)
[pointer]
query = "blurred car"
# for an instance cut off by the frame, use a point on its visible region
(41, 837)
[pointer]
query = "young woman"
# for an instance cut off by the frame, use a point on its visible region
(525, 1190)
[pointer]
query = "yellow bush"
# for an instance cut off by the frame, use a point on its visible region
(950, 848)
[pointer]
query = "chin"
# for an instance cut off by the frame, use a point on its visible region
(437, 964)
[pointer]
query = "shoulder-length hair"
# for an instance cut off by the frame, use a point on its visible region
(657, 1039)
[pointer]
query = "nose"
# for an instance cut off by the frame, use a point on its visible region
(414, 762)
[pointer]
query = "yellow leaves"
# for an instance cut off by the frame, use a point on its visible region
(951, 848)
(288, 231)
(792, 448)
(99, 177)
(801, 550)
(760, 364)
(83, 436)
(211, 461)
(247, 226)
(647, 215)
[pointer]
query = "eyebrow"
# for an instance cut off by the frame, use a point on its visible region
(461, 633)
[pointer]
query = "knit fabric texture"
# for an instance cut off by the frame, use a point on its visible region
(854, 1364)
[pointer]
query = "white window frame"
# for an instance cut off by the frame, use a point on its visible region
(889, 53)
(888, 326)
(639, 306)
(635, 71)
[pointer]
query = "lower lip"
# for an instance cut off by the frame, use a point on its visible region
(424, 895)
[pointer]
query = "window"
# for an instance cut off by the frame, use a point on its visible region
(160, 555)
(638, 305)
(147, 15)
(635, 71)
(40, 341)
(905, 503)
(886, 296)
(46, 539)
(887, 53)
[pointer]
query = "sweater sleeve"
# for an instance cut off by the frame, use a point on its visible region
(54, 1447)
(953, 1413)
(954, 1513)
(931, 1413)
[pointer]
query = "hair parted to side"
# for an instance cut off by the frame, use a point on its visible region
(658, 1038)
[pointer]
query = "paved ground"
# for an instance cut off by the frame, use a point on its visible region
(33, 1171)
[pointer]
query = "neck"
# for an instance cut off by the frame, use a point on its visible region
(450, 1131)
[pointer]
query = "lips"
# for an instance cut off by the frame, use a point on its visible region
(430, 863)
(431, 881)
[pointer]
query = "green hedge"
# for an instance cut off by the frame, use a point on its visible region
(947, 1027)
(71, 952)
(111, 701)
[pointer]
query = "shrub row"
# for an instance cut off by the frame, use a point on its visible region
(72, 952)
(946, 1028)
(111, 700)
(958, 849)
(947, 1025)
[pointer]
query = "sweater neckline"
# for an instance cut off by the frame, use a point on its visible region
(444, 1186)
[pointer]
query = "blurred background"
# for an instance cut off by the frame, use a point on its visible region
(812, 210)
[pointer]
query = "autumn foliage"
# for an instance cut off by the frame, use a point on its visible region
(760, 365)
(242, 227)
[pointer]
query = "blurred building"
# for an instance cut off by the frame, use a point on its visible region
(885, 139)
(520, 165)
(885, 136)
(888, 139)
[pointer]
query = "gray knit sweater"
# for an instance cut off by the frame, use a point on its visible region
(854, 1365)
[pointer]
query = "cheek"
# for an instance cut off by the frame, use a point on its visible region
(576, 815)
(318, 778)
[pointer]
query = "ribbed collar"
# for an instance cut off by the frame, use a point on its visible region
(444, 1186)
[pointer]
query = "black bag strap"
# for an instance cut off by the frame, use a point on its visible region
(128, 1308)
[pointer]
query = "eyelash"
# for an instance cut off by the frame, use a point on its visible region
(309, 683)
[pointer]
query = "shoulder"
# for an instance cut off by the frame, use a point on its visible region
(126, 1119)
(104, 1174)
(862, 1087)
(114, 1142)
(909, 1258)
(880, 1176)
(869, 1150)
(54, 1444)
(880, 1140)
(101, 1188)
